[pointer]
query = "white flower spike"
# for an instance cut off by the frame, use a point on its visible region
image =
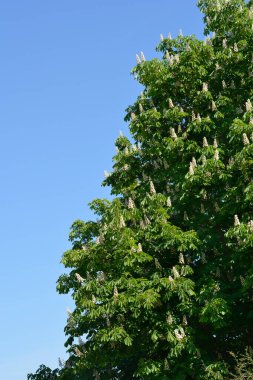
(173, 133)
(142, 57)
(152, 188)
(146, 219)
(179, 333)
(130, 203)
(175, 272)
(77, 352)
(122, 223)
(157, 264)
(139, 247)
(224, 43)
(171, 105)
(115, 292)
(79, 278)
(176, 58)
(216, 155)
(194, 162)
(191, 169)
(133, 116)
(181, 258)
(138, 60)
(169, 319)
(248, 105)
(236, 221)
(205, 87)
(214, 108)
(142, 225)
(250, 224)
(205, 143)
(245, 139)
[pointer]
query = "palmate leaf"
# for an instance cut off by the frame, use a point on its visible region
(162, 281)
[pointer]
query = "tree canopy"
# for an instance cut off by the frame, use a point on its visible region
(163, 280)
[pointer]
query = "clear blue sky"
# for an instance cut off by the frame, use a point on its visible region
(64, 85)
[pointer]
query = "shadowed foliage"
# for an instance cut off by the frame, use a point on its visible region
(163, 280)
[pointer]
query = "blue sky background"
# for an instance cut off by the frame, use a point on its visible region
(64, 85)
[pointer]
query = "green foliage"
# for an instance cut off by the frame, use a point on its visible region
(44, 373)
(162, 281)
(244, 365)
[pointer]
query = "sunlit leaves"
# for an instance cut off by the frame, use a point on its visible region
(162, 280)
